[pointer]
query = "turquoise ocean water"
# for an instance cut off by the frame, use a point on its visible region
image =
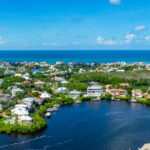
(77, 56)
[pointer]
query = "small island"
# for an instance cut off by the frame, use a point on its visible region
(31, 91)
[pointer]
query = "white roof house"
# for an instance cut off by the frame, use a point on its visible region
(94, 91)
(23, 114)
(16, 90)
(45, 95)
(60, 62)
(59, 79)
(82, 70)
(26, 76)
(25, 118)
(39, 83)
(62, 90)
(9, 72)
(20, 110)
(28, 101)
(64, 82)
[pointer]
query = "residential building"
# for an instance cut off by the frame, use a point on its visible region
(74, 94)
(117, 92)
(94, 91)
(137, 93)
(39, 83)
(24, 120)
(62, 90)
(45, 95)
(125, 84)
(28, 101)
(16, 90)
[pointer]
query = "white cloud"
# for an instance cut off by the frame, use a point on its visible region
(110, 42)
(2, 42)
(129, 37)
(76, 43)
(50, 44)
(100, 40)
(147, 38)
(140, 28)
(116, 2)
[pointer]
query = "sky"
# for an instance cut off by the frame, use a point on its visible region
(75, 25)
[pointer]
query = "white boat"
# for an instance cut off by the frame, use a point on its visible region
(133, 101)
(57, 105)
(52, 109)
(96, 99)
(78, 102)
(48, 114)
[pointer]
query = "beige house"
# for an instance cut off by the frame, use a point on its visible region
(117, 92)
(125, 84)
(137, 93)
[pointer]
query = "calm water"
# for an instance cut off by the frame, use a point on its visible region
(89, 126)
(77, 56)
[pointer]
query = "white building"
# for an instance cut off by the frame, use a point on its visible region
(25, 120)
(82, 70)
(45, 95)
(16, 90)
(9, 72)
(74, 94)
(28, 101)
(20, 110)
(26, 76)
(39, 83)
(23, 114)
(60, 63)
(62, 90)
(94, 91)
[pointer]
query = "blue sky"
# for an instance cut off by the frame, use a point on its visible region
(74, 24)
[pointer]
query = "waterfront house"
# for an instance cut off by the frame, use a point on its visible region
(22, 113)
(24, 120)
(94, 91)
(137, 93)
(74, 94)
(62, 90)
(117, 92)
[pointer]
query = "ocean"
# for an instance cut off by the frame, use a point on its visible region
(85, 56)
